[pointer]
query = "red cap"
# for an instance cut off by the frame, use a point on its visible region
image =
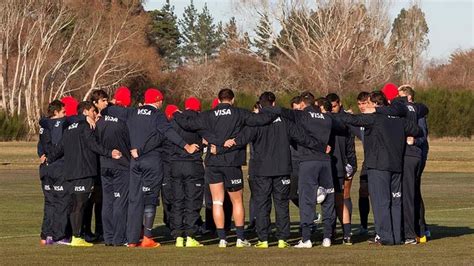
(192, 103)
(390, 90)
(170, 110)
(153, 95)
(123, 97)
(215, 102)
(70, 105)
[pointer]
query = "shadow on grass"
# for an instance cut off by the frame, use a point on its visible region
(441, 231)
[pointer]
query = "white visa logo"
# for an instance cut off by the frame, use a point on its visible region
(41, 130)
(58, 188)
(411, 108)
(146, 189)
(316, 115)
(144, 112)
(222, 112)
(79, 188)
(236, 181)
(117, 194)
(46, 187)
(111, 119)
(73, 126)
(285, 181)
(57, 124)
(277, 120)
(396, 194)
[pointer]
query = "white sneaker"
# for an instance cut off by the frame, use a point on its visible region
(243, 243)
(306, 244)
(222, 243)
(326, 242)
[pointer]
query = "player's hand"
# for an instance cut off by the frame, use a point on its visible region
(43, 159)
(191, 148)
(204, 141)
(213, 149)
(116, 154)
(134, 153)
(91, 122)
(410, 140)
(369, 110)
(229, 143)
(328, 149)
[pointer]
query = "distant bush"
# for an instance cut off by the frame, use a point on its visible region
(12, 127)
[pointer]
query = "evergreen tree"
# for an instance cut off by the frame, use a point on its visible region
(189, 30)
(262, 41)
(164, 34)
(209, 35)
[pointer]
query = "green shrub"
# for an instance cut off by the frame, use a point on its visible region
(12, 127)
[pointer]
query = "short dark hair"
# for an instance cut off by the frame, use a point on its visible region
(363, 96)
(332, 97)
(267, 99)
(96, 95)
(84, 105)
(256, 105)
(295, 100)
(379, 98)
(308, 98)
(226, 94)
(324, 102)
(55, 106)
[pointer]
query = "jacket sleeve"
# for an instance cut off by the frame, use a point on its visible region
(244, 137)
(397, 108)
(45, 141)
(421, 140)
(299, 136)
(351, 153)
(91, 142)
(165, 128)
(411, 129)
(191, 124)
(117, 111)
(56, 152)
(363, 120)
(153, 142)
(252, 119)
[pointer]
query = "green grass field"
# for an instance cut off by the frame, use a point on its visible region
(448, 187)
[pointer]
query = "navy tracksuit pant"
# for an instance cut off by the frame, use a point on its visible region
(48, 210)
(167, 195)
(263, 189)
(385, 189)
(313, 174)
(115, 184)
(187, 183)
(411, 167)
(146, 176)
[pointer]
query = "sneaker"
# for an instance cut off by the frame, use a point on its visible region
(242, 243)
(283, 244)
(262, 244)
(64, 241)
(327, 242)
(42, 242)
(149, 243)
(410, 241)
(363, 231)
(179, 242)
(222, 243)
(427, 233)
(49, 240)
(132, 245)
(80, 242)
(375, 241)
(306, 244)
(90, 237)
(192, 243)
(347, 241)
(422, 239)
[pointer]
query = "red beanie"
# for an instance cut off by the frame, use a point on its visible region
(153, 95)
(170, 110)
(70, 105)
(215, 102)
(390, 90)
(123, 97)
(192, 103)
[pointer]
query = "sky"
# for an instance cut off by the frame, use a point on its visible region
(450, 22)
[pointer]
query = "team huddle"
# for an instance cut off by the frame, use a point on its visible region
(117, 160)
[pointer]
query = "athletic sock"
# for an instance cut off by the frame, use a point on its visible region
(364, 209)
(221, 233)
(239, 230)
(149, 215)
(348, 204)
(346, 228)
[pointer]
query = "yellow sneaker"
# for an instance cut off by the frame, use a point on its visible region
(262, 244)
(283, 244)
(192, 243)
(79, 242)
(422, 239)
(179, 242)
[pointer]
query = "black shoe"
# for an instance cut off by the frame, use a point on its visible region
(90, 237)
(347, 241)
(375, 241)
